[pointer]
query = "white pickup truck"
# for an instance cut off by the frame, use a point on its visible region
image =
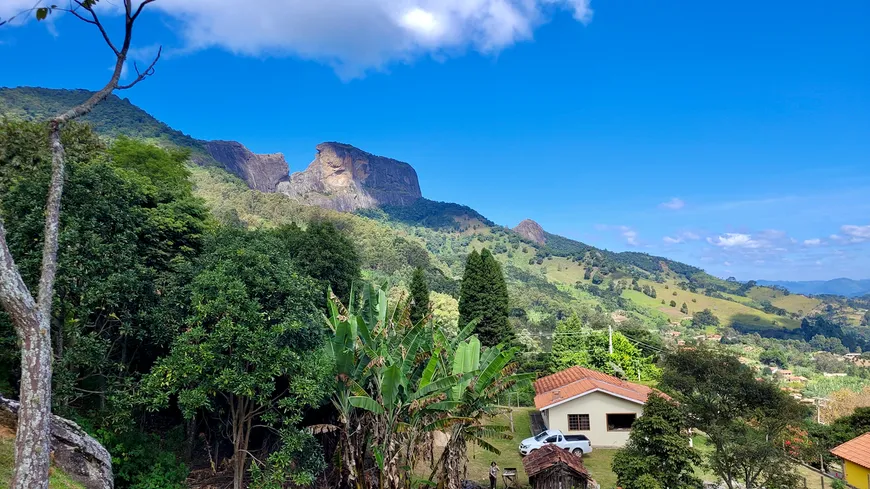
(576, 444)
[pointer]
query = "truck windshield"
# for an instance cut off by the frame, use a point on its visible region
(541, 436)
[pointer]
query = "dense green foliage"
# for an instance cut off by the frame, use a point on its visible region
(484, 299)
(419, 307)
(577, 345)
(324, 253)
(128, 233)
(251, 343)
(657, 454)
(744, 418)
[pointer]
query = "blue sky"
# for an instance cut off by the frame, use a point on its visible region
(730, 135)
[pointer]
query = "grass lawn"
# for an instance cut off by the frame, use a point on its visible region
(58, 479)
(727, 311)
(598, 462)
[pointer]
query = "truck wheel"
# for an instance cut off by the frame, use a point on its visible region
(578, 452)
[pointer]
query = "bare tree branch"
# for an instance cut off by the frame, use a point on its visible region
(97, 23)
(142, 75)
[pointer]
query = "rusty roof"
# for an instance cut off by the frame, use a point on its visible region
(550, 456)
(856, 450)
(576, 381)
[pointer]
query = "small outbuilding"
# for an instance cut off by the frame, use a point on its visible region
(551, 467)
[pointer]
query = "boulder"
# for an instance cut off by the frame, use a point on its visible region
(79, 455)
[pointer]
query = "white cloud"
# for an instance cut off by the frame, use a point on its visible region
(629, 234)
(674, 204)
(856, 234)
(812, 242)
(681, 238)
(735, 240)
(357, 35)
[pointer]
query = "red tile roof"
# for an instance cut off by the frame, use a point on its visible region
(856, 450)
(550, 456)
(577, 381)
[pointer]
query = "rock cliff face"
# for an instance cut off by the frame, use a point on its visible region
(345, 178)
(260, 172)
(532, 231)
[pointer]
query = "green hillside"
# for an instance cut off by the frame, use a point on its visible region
(112, 118)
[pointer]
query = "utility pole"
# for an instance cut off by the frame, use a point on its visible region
(610, 335)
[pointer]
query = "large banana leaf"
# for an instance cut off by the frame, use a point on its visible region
(431, 366)
(367, 403)
(391, 386)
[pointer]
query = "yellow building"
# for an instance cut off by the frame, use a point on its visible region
(856, 461)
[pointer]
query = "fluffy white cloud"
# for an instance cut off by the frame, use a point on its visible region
(674, 204)
(856, 234)
(629, 234)
(356, 35)
(735, 240)
(812, 242)
(670, 240)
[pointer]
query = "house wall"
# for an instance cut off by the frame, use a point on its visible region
(597, 405)
(856, 475)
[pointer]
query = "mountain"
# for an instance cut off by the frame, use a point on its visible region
(119, 117)
(845, 287)
(532, 231)
(346, 179)
(260, 172)
(377, 201)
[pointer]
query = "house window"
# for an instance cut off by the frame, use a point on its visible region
(578, 422)
(620, 422)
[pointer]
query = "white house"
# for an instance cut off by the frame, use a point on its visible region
(583, 401)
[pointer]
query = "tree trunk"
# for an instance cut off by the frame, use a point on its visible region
(455, 459)
(32, 319)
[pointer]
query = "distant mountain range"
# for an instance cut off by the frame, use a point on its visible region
(839, 286)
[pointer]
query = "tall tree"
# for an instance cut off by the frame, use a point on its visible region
(253, 343)
(484, 297)
(658, 449)
(32, 315)
(743, 417)
(419, 296)
(328, 255)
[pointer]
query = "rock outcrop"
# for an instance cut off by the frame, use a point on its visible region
(260, 172)
(345, 178)
(80, 456)
(532, 231)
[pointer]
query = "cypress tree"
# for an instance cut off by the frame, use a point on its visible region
(419, 296)
(484, 296)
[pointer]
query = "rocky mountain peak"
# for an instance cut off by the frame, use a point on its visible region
(346, 178)
(532, 231)
(260, 172)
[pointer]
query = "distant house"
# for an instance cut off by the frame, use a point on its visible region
(856, 461)
(852, 357)
(551, 467)
(714, 337)
(600, 406)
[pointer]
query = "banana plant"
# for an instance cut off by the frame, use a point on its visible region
(388, 388)
(483, 376)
